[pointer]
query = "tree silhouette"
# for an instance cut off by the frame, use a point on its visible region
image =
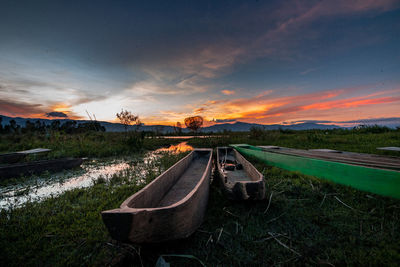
(194, 123)
(127, 118)
(55, 125)
(14, 127)
(178, 128)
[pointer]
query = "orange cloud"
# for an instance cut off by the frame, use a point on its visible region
(61, 107)
(353, 102)
(67, 109)
(27, 110)
(199, 110)
(339, 104)
(228, 92)
(21, 109)
(319, 105)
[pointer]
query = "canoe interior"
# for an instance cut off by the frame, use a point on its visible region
(240, 179)
(241, 172)
(175, 184)
(379, 181)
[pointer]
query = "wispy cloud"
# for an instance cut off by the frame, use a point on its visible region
(48, 94)
(276, 37)
(307, 71)
(228, 92)
(206, 61)
(185, 68)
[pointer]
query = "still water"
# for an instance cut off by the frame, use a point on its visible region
(188, 136)
(38, 188)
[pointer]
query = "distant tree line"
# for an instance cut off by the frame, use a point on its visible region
(38, 126)
(261, 133)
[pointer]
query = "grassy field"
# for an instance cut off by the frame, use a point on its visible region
(90, 144)
(346, 140)
(100, 144)
(302, 221)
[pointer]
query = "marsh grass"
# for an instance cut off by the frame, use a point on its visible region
(90, 144)
(308, 222)
(67, 229)
(302, 221)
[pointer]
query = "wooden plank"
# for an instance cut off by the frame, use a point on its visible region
(325, 150)
(389, 148)
(34, 151)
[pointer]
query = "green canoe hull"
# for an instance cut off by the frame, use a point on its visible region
(378, 181)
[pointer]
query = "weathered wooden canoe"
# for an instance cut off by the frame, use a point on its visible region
(240, 179)
(170, 207)
(383, 181)
(14, 157)
(37, 167)
(11, 157)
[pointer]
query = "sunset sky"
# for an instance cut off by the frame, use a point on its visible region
(251, 61)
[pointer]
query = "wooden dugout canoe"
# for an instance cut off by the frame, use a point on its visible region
(14, 157)
(37, 167)
(240, 179)
(11, 157)
(170, 207)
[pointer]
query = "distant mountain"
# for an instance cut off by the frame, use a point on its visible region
(234, 127)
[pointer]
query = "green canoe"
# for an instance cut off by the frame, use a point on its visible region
(380, 181)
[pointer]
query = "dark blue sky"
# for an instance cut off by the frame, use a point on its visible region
(256, 61)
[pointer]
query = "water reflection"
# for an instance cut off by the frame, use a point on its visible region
(39, 188)
(187, 136)
(179, 148)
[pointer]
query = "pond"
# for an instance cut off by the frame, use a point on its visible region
(41, 187)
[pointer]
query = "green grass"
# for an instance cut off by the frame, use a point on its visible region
(68, 230)
(302, 221)
(90, 144)
(307, 223)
